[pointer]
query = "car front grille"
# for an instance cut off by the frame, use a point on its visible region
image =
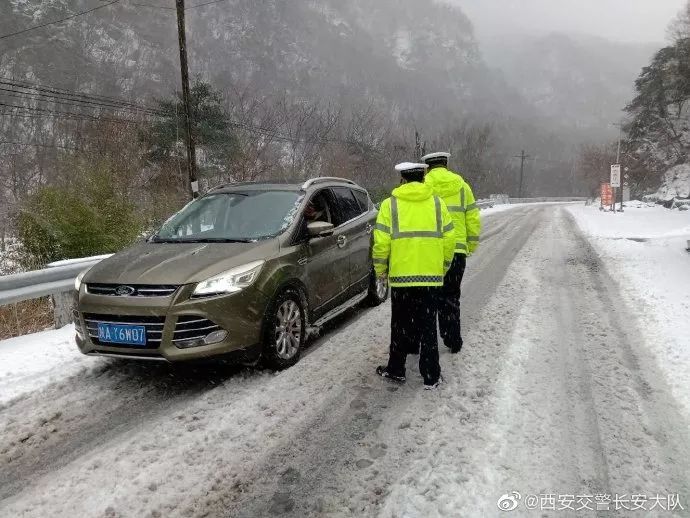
(188, 327)
(137, 290)
(154, 328)
(191, 327)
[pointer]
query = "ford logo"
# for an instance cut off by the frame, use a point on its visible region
(124, 291)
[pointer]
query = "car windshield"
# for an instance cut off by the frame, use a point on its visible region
(231, 217)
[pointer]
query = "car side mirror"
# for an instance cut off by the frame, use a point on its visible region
(320, 229)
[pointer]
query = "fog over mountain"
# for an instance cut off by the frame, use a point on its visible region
(574, 61)
(617, 20)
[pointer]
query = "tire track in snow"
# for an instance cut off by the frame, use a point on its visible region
(46, 430)
(109, 435)
(352, 449)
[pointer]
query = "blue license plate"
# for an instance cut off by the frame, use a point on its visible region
(121, 334)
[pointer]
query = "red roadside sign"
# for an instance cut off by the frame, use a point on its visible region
(606, 194)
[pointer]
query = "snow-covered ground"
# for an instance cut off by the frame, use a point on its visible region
(644, 250)
(32, 362)
(553, 394)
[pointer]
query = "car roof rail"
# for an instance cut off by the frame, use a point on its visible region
(323, 179)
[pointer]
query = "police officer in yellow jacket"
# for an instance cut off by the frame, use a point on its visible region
(457, 195)
(414, 243)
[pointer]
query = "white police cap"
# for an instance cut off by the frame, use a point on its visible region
(431, 157)
(410, 167)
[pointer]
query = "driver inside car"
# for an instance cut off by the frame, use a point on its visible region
(315, 210)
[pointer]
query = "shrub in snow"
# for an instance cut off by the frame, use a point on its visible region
(63, 222)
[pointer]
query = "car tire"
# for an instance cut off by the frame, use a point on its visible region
(378, 293)
(284, 330)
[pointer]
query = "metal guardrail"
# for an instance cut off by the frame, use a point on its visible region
(547, 199)
(497, 199)
(56, 281)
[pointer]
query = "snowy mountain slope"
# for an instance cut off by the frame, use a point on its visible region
(324, 49)
(675, 186)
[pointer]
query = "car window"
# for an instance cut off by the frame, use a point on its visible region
(232, 216)
(319, 208)
(362, 198)
(348, 206)
(201, 217)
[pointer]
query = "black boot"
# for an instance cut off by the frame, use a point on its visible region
(383, 372)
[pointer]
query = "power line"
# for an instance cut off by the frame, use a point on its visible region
(64, 116)
(154, 6)
(70, 102)
(63, 95)
(84, 116)
(42, 92)
(27, 85)
(167, 8)
(75, 15)
(205, 4)
(30, 144)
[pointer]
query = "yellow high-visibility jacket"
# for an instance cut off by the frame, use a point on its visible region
(414, 240)
(457, 194)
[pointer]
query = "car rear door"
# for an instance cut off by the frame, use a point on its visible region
(355, 224)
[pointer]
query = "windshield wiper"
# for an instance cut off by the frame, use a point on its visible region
(223, 240)
(155, 239)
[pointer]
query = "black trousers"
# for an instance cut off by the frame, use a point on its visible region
(449, 304)
(413, 327)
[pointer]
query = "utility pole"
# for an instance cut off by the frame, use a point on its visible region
(186, 100)
(618, 161)
(522, 158)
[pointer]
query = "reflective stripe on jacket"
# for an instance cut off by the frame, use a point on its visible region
(414, 239)
(458, 196)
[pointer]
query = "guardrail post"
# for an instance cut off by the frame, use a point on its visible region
(62, 308)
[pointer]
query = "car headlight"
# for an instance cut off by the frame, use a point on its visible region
(77, 281)
(231, 281)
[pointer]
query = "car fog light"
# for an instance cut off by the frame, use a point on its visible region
(186, 344)
(215, 336)
(211, 338)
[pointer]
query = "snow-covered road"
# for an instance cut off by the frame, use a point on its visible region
(555, 393)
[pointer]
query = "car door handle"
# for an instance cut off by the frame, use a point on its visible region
(302, 261)
(342, 241)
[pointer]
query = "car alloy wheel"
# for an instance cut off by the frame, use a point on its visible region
(288, 330)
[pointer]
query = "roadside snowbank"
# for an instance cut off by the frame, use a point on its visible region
(503, 207)
(644, 249)
(31, 362)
